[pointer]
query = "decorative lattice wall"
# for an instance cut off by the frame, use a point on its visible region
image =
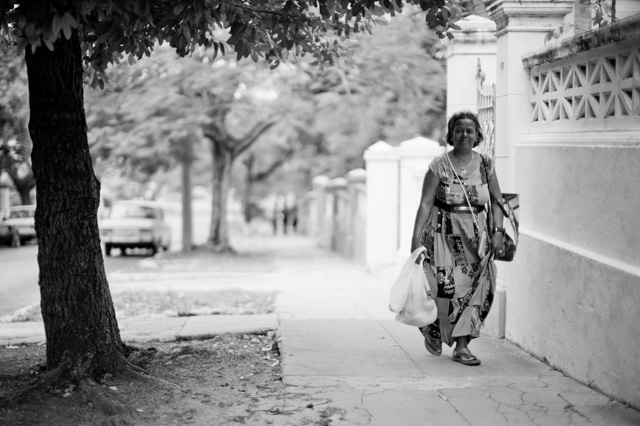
(588, 87)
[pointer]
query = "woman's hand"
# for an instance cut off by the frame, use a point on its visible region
(497, 243)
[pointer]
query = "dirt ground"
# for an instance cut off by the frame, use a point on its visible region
(226, 380)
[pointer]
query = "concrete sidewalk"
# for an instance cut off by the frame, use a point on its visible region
(339, 343)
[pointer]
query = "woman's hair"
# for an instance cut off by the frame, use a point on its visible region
(460, 115)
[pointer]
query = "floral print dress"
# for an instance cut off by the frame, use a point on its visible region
(461, 283)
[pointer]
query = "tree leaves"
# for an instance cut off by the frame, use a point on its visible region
(111, 29)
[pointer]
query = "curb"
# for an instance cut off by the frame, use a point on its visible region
(170, 276)
(144, 329)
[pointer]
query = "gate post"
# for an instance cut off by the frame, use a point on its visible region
(474, 43)
(521, 27)
(382, 205)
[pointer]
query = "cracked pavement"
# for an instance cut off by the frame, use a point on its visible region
(340, 344)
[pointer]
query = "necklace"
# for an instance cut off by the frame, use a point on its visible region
(463, 171)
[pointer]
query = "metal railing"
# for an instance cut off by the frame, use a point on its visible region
(486, 113)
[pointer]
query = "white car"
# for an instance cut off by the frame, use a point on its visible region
(135, 224)
(19, 227)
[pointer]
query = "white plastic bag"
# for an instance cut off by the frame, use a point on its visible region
(409, 298)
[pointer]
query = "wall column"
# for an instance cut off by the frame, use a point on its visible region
(335, 213)
(318, 228)
(474, 43)
(415, 156)
(382, 205)
(356, 179)
(521, 27)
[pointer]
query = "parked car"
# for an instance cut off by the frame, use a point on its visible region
(135, 224)
(19, 227)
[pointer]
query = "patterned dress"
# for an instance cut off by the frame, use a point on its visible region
(461, 283)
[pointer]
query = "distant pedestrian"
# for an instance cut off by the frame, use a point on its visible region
(278, 212)
(451, 223)
(290, 213)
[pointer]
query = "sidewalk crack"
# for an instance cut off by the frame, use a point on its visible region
(572, 410)
(448, 401)
(397, 343)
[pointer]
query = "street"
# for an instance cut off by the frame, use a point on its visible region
(19, 274)
(19, 278)
(19, 266)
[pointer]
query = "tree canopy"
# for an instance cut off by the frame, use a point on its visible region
(273, 30)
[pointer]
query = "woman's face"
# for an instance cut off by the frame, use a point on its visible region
(464, 133)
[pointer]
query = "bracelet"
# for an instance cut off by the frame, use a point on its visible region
(499, 229)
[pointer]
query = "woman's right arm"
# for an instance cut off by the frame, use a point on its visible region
(429, 188)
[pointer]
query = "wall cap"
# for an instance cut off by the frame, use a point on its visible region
(381, 151)
(337, 183)
(419, 142)
(475, 23)
(357, 175)
(419, 147)
(527, 12)
(620, 31)
(320, 181)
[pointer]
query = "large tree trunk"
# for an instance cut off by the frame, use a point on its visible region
(222, 163)
(80, 323)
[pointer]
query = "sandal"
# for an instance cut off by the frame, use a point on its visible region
(465, 357)
(433, 346)
(432, 341)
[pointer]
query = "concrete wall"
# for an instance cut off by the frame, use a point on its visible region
(382, 205)
(573, 299)
(573, 155)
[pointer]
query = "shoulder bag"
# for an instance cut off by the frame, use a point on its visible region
(509, 205)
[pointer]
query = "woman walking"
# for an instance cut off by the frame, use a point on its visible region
(451, 223)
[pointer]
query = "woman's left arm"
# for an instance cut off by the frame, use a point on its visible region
(498, 217)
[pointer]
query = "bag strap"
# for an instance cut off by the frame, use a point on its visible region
(475, 220)
(491, 196)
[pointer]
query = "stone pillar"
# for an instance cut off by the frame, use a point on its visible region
(521, 27)
(318, 225)
(336, 219)
(356, 178)
(382, 205)
(415, 156)
(474, 43)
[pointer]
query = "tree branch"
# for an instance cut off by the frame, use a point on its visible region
(246, 141)
(217, 134)
(260, 176)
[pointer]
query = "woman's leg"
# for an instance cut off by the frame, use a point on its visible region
(461, 342)
(462, 354)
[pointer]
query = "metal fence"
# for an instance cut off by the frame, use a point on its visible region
(486, 113)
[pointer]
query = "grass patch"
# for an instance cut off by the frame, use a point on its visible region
(175, 304)
(188, 303)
